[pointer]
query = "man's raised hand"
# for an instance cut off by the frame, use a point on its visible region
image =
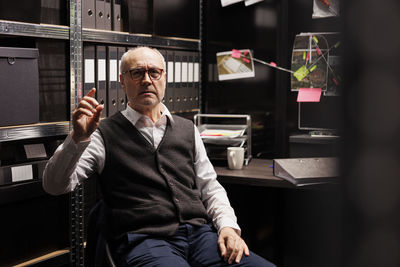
(86, 117)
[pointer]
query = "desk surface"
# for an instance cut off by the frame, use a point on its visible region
(257, 173)
(308, 139)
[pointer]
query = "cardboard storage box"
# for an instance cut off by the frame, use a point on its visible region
(19, 86)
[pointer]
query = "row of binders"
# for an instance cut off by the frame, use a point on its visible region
(102, 14)
(101, 70)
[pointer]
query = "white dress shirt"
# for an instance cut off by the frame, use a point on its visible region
(72, 163)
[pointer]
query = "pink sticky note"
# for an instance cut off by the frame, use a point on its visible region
(308, 56)
(318, 51)
(272, 63)
(236, 53)
(309, 95)
(246, 52)
(246, 60)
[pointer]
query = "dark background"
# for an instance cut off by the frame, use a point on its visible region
(354, 224)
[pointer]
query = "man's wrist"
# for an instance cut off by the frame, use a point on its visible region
(70, 144)
(227, 222)
(79, 139)
(237, 231)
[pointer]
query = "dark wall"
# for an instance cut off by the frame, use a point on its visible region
(240, 27)
(372, 127)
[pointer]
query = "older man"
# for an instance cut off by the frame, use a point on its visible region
(164, 206)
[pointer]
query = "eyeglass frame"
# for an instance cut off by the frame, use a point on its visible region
(146, 71)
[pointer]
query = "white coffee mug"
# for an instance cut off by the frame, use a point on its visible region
(235, 156)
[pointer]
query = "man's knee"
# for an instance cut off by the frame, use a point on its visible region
(255, 260)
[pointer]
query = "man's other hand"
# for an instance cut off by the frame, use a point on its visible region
(86, 117)
(231, 245)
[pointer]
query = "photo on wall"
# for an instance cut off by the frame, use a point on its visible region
(235, 64)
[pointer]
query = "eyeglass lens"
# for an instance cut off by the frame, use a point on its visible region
(138, 73)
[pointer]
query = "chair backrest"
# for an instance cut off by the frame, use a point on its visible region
(97, 252)
(109, 257)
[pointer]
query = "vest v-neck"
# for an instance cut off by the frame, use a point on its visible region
(137, 132)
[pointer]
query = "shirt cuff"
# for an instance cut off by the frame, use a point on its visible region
(70, 145)
(227, 223)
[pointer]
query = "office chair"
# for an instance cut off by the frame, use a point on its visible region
(109, 257)
(97, 252)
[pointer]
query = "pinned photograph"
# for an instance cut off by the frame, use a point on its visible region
(235, 64)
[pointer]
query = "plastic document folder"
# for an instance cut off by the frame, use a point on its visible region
(220, 131)
(221, 136)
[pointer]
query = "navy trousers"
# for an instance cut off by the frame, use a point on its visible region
(191, 246)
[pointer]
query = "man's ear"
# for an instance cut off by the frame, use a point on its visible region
(122, 81)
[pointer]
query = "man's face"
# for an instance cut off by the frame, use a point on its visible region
(143, 86)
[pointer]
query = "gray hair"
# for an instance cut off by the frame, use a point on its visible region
(122, 64)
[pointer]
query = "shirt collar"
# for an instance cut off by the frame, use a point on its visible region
(133, 116)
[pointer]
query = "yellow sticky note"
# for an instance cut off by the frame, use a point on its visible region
(313, 68)
(301, 73)
(315, 39)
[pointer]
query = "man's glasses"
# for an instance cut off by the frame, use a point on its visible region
(138, 73)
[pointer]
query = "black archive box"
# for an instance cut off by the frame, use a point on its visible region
(21, 10)
(137, 16)
(35, 11)
(19, 86)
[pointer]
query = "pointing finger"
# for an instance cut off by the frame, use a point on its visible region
(91, 92)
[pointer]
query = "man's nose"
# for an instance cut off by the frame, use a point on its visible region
(146, 78)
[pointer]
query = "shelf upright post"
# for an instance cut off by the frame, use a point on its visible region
(202, 43)
(75, 37)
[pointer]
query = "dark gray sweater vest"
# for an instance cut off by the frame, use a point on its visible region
(149, 190)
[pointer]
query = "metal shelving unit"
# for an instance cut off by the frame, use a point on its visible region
(93, 35)
(76, 35)
(34, 30)
(77, 196)
(34, 131)
(14, 28)
(124, 38)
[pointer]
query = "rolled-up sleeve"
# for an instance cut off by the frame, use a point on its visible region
(213, 195)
